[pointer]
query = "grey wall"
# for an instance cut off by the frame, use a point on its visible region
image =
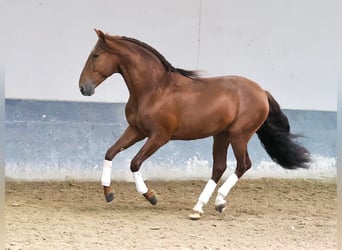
(292, 48)
(59, 140)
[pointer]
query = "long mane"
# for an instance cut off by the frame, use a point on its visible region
(168, 66)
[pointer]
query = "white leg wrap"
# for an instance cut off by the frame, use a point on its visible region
(225, 188)
(139, 182)
(205, 196)
(106, 173)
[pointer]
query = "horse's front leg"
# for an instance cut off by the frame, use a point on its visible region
(127, 139)
(151, 146)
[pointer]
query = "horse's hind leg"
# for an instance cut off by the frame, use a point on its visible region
(243, 164)
(220, 146)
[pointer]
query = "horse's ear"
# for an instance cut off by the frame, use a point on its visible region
(100, 34)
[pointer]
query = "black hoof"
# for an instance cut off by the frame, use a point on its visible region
(151, 197)
(153, 200)
(220, 208)
(109, 197)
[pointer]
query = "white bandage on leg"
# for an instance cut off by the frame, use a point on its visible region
(139, 182)
(205, 196)
(106, 173)
(225, 188)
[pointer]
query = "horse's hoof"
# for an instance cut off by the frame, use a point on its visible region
(109, 197)
(195, 215)
(109, 194)
(220, 208)
(151, 196)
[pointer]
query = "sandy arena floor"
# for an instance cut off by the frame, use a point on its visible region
(261, 214)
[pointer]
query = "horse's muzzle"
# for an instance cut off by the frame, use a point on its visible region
(87, 89)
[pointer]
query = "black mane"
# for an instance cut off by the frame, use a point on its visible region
(168, 66)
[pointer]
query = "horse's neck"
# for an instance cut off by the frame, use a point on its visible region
(141, 75)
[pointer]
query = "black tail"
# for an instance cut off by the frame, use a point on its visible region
(277, 140)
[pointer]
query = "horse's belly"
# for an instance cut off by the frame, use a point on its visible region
(196, 128)
(192, 135)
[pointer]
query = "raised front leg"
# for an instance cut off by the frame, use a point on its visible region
(150, 147)
(127, 139)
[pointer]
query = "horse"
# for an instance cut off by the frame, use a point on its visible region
(168, 103)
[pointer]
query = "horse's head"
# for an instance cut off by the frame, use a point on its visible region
(99, 65)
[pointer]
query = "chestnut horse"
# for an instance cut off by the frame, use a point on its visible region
(167, 103)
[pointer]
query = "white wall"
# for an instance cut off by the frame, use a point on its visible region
(292, 48)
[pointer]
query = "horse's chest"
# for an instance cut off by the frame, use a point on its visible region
(138, 119)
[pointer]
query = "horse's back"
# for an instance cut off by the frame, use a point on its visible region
(210, 105)
(230, 81)
(242, 90)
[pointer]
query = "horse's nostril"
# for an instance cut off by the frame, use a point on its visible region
(82, 89)
(87, 90)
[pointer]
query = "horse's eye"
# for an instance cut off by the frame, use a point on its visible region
(95, 55)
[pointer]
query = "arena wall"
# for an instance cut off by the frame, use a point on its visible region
(53, 140)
